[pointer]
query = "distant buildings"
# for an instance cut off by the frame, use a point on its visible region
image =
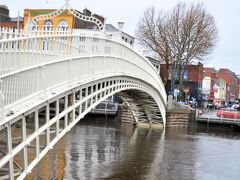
(7, 21)
(224, 84)
(118, 33)
(192, 78)
(64, 21)
(206, 84)
(232, 83)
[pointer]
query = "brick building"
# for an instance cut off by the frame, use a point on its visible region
(213, 87)
(192, 78)
(232, 82)
(224, 84)
(209, 78)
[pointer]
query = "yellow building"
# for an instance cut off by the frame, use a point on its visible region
(65, 20)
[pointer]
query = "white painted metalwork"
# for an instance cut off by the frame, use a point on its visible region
(52, 79)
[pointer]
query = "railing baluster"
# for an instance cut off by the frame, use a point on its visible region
(9, 142)
(24, 135)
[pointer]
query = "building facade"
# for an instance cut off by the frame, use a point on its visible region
(232, 83)
(192, 78)
(219, 89)
(224, 84)
(112, 31)
(64, 21)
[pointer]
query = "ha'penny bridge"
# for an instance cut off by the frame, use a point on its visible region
(50, 79)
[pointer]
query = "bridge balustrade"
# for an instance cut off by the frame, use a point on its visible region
(25, 61)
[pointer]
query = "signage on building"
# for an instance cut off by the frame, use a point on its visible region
(206, 85)
(186, 75)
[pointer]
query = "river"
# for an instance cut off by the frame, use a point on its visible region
(97, 148)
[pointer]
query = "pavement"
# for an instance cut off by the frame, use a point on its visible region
(208, 113)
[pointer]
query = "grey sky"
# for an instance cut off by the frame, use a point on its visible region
(226, 14)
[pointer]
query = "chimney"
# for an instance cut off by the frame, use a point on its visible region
(120, 25)
(87, 12)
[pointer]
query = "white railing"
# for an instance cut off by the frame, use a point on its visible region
(13, 33)
(30, 54)
(23, 50)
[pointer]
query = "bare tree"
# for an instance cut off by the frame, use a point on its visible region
(178, 37)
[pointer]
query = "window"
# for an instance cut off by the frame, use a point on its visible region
(62, 25)
(34, 26)
(48, 25)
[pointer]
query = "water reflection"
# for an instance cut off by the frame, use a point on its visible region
(100, 149)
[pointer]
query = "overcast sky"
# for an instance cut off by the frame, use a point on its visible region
(226, 14)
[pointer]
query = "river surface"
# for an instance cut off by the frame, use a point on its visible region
(105, 149)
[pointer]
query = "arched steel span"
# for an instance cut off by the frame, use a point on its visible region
(69, 72)
(30, 64)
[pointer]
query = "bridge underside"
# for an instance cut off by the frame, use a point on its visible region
(142, 106)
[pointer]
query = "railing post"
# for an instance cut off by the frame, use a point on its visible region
(65, 109)
(1, 102)
(57, 113)
(9, 140)
(44, 80)
(36, 122)
(24, 135)
(48, 127)
(73, 102)
(80, 99)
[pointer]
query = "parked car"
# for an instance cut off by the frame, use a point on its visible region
(228, 113)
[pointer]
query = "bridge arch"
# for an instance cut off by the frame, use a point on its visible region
(78, 101)
(79, 68)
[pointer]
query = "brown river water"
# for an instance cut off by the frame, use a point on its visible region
(102, 149)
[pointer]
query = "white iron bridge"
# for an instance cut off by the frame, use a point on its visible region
(51, 80)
